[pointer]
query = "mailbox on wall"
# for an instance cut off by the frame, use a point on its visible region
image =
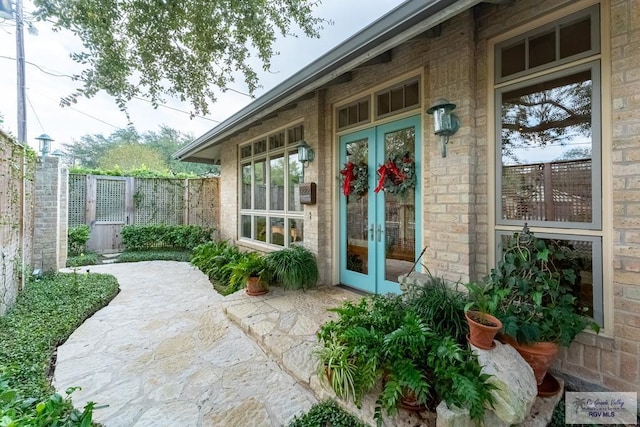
(308, 193)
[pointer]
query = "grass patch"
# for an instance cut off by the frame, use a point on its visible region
(154, 255)
(43, 317)
(326, 413)
(89, 258)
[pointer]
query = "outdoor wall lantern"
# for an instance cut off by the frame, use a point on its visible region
(305, 154)
(44, 143)
(445, 123)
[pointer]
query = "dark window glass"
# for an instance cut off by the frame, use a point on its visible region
(343, 117)
(276, 187)
(575, 38)
(542, 49)
(246, 186)
(412, 94)
(259, 146)
(383, 104)
(245, 151)
(397, 99)
(276, 141)
(260, 185)
(513, 59)
(296, 230)
(261, 228)
(364, 111)
(278, 231)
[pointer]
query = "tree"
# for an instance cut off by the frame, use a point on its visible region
(181, 48)
(128, 157)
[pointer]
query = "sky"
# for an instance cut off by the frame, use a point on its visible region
(50, 51)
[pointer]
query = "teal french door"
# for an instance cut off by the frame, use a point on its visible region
(379, 231)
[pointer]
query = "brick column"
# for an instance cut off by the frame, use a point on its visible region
(51, 212)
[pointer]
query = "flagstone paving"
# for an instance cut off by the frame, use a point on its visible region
(162, 353)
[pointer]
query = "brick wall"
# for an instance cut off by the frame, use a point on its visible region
(51, 215)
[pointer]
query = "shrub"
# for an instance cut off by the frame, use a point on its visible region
(77, 238)
(89, 258)
(212, 258)
(140, 237)
(44, 315)
(293, 268)
(326, 413)
(154, 255)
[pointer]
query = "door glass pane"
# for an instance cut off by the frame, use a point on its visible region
(246, 186)
(357, 214)
(295, 178)
(260, 186)
(276, 178)
(399, 228)
(546, 151)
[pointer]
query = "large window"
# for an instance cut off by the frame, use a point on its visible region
(270, 177)
(548, 142)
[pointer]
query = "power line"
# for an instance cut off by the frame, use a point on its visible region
(55, 74)
(35, 114)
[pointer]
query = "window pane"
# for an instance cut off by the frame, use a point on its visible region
(542, 49)
(397, 99)
(383, 103)
(343, 117)
(296, 176)
(245, 151)
(412, 94)
(277, 231)
(260, 186)
(364, 111)
(513, 59)
(579, 256)
(353, 114)
(261, 228)
(546, 151)
(575, 37)
(245, 226)
(260, 146)
(246, 186)
(276, 189)
(296, 230)
(276, 141)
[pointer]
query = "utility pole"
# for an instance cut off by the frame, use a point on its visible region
(22, 106)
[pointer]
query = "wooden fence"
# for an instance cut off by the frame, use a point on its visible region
(16, 218)
(107, 203)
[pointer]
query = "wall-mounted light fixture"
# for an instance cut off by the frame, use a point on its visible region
(44, 144)
(305, 154)
(445, 123)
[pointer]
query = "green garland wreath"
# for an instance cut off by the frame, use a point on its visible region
(354, 178)
(397, 175)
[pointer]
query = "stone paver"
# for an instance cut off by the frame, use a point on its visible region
(162, 353)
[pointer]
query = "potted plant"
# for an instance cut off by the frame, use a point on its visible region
(483, 326)
(539, 312)
(293, 268)
(251, 271)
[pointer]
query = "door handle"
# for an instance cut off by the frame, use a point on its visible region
(379, 232)
(371, 231)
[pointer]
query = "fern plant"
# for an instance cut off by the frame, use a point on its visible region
(293, 268)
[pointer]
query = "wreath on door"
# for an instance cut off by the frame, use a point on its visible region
(397, 175)
(354, 178)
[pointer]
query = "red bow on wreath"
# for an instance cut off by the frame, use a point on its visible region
(347, 172)
(389, 170)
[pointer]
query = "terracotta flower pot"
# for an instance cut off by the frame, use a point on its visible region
(255, 287)
(482, 329)
(539, 355)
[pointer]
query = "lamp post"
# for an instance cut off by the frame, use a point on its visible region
(44, 144)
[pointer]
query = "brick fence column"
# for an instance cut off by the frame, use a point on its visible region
(51, 212)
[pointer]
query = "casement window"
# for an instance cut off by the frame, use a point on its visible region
(548, 142)
(270, 177)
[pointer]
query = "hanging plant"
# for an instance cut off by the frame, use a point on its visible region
(397, 175)
(354, 178)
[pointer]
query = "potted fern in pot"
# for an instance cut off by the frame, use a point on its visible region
(293, 268)
(250, 271)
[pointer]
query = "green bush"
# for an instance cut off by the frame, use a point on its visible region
(88, 258)
(326, 413)
(77, 238)
(141, 237)
(44, 315)
(293, 268)
(154, 255)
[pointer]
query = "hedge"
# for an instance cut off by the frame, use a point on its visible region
(186, 237)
